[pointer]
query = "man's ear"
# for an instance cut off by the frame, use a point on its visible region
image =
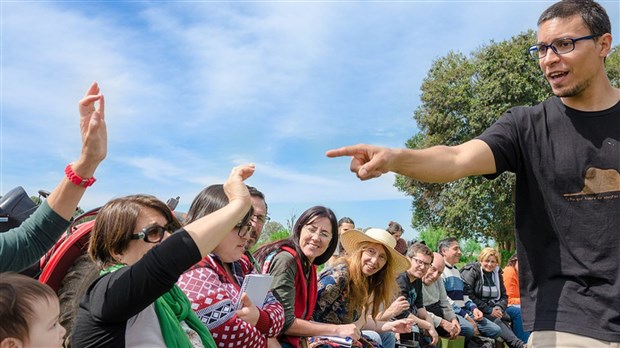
(605, 41)
(11, 342)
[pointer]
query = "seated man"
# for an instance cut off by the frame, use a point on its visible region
(436, 302)
(455, 289)
(410, 303)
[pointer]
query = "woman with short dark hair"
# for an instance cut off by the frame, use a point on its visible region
(135, 303)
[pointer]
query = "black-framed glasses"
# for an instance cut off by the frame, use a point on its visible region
(559, 46)
(243, 229)
(261, 219)
(152, 233)
(420, 262)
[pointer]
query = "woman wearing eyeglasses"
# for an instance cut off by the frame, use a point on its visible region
(135, 302)
(293, 262)
(213, 285)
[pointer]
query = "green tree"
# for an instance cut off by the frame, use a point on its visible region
(612, 65)
(431, 236)
(271, 228)
(280, 234)
(36, 199)
(272, 232)
(78, 211)
(470, 251)
(461, 97)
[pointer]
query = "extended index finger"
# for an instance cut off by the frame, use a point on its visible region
(350, 150)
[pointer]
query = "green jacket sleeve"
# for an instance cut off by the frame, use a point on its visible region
(22, 246)
(283, 268)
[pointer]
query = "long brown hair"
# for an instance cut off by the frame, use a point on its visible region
(374, 292)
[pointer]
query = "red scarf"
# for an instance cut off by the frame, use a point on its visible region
(305, 296)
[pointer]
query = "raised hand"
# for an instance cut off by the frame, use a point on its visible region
(234, 186)
(92, 126)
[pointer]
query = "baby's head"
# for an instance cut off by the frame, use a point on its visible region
(29, 313)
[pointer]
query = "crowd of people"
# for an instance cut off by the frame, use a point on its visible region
(170, 283)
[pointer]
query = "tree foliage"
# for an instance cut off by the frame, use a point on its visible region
(36, 199)
(612, 65)
(271, 228)
(461, 97)
(431, 237)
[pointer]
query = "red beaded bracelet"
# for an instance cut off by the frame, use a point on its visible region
(76, 179)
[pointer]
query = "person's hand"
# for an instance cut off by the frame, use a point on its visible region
(348, 330)
(497, 312)
(93, 127)
(449, 327)
(477, 314)
(248, 312)
(400, 326)
(398, 306)
(234, 186)
(457, 328)
(473, 323)
(368, 161)
(434, 336)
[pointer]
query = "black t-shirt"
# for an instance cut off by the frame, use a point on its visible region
(567, 214)
(412, 292)
(115, 308)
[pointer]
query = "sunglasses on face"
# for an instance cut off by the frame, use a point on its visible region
(152, 233)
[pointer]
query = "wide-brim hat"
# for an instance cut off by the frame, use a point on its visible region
(352, 238)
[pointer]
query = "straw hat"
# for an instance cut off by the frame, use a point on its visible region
(351, 238)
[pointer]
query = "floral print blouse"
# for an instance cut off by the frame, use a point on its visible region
(333, 297)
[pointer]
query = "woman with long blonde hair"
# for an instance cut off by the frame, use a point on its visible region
(362, 283)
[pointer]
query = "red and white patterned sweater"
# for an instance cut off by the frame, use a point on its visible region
(213, 296)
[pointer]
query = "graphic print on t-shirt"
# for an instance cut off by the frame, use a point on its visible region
(605, 183)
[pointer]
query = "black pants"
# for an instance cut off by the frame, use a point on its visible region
(435, 308)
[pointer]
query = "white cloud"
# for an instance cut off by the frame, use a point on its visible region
(193, 88)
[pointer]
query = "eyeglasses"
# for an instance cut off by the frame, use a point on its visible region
(243, 230)
(313, 230)
(420, 262)
(261, 219)
(559, 46)
(151, 233)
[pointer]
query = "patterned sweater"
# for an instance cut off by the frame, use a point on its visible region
(214, 295)
(461, 304)
(332, 304)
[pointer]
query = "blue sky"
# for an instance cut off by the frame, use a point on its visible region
(195, 87)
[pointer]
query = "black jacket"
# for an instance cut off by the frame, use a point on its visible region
(472, 277)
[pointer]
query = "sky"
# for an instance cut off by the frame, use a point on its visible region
(194, 88)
